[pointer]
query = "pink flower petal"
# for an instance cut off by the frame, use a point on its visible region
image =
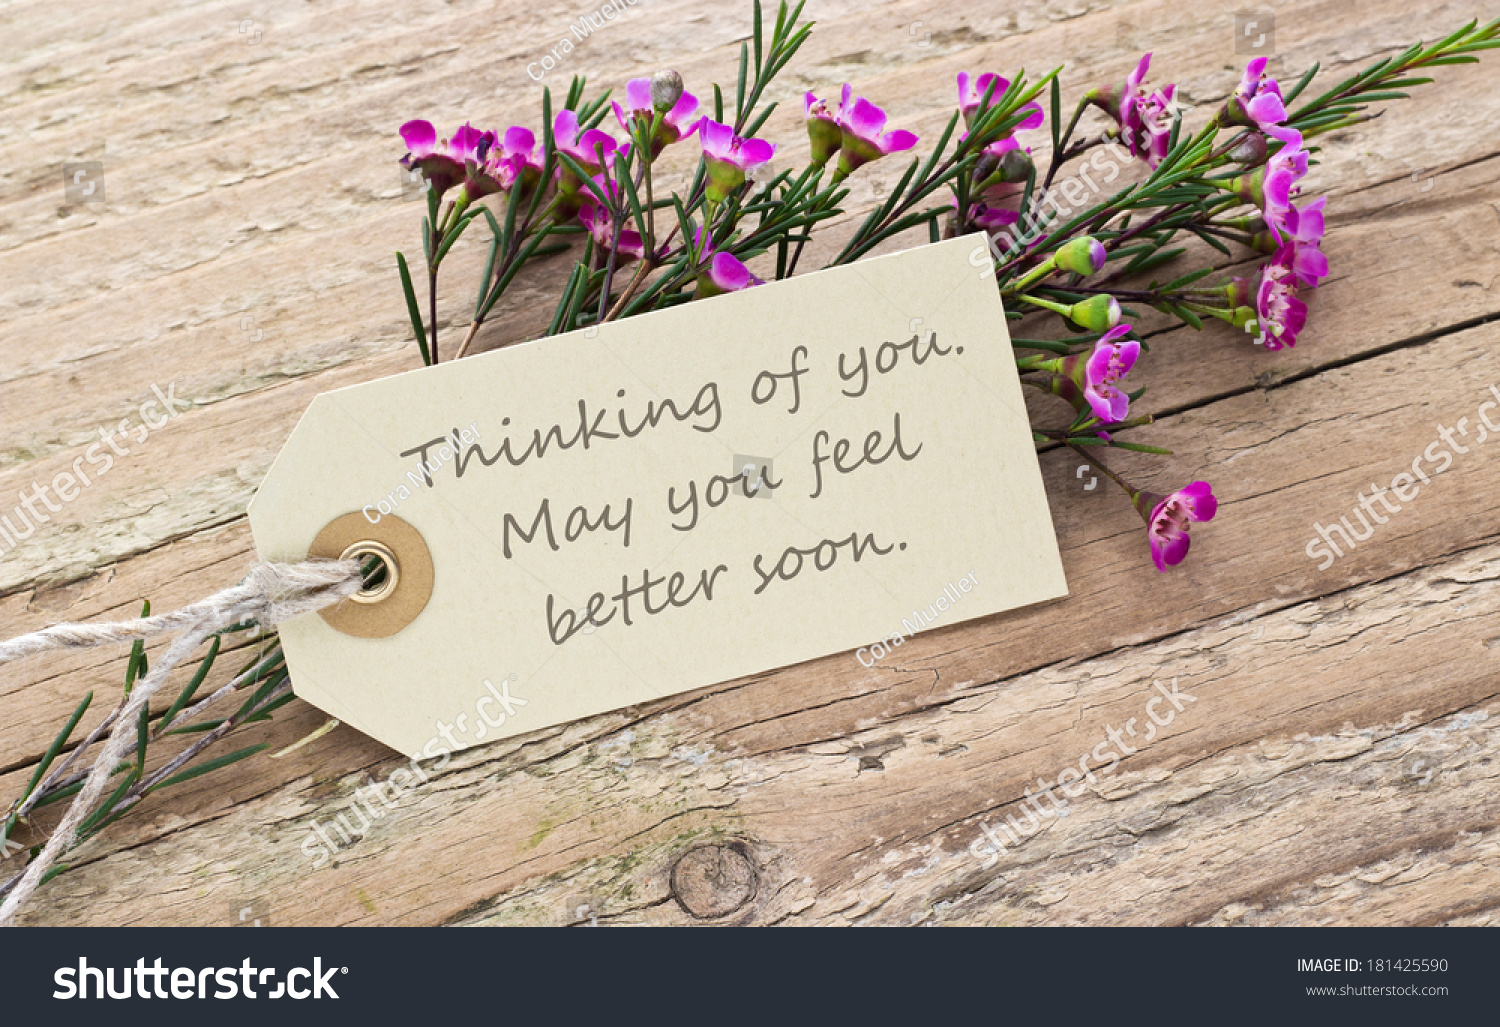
(717, 138)
(465, 142)
(685, 108)
(865, 120)
(755, 151)
(565, 129)
(1032, 120)
(731, 275)
(1136, 77)
(1200, 502)
(595, 141)
(1277, 188)
(638, 94)
(1172, 551)
(1253, 71)
(899, 140)
(420, 137)
(520, 140)
(1266, 109)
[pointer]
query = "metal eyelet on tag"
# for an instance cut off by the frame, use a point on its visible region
(386, 584)
(393, 601)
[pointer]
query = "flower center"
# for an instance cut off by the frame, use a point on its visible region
(1171, 522)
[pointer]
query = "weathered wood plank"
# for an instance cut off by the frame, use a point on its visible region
(1239, 808)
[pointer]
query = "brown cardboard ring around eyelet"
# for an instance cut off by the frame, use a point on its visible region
(413, 590)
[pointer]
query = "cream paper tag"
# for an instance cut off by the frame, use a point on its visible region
(820, 465)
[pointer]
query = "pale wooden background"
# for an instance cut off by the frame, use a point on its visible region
(1339, 765)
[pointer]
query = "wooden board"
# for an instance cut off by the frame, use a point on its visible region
(1336, 766)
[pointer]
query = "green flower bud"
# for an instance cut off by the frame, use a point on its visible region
(1082, 256)
(1250, 151)
(989, 171)
(985, 166)
(1015, 166)
(1097, 313)
(666, 90)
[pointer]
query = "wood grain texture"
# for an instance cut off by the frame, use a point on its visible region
(1336, 764)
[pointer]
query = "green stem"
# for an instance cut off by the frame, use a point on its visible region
(1033, 276)
(1056, 308)
(1060, 156)
(432, 274)
(1111, 475)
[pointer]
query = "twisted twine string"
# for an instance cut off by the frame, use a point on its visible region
(270, 594)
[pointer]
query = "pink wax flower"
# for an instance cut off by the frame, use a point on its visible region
(1279, 314)
(1303, 230)
(824, 134)
(1283, 171)
(729, 157)
(677, 123)
(719, 271)
(861, 135)
(971, 95)
(1167, 519)
(1110, 361)
(865, 137)
(1147, 124)
(1272, 186)
(1144, 114)
(595, 217)
(1089, 380)
(510, 159)
(443, 164)
(585, 148)
(1257, 100)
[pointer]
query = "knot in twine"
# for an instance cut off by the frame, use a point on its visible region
(270, 594)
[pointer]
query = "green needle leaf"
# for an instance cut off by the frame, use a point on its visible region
(413, 309)
(211, 765)
(186, 695)
(49, 756)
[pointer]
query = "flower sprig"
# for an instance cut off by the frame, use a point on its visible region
(262, 686)
(1085, 256)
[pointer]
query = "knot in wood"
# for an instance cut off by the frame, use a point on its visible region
(712, 881)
